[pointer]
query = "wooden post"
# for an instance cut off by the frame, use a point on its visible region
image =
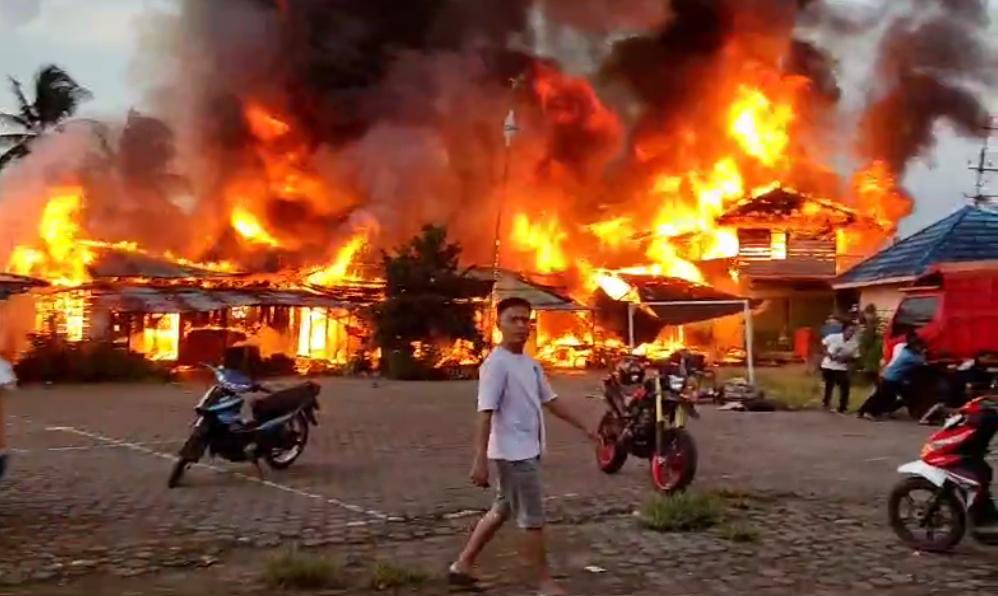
(749, 357)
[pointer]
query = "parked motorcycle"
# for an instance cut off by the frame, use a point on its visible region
(277, 432)
(947, 490)
(647, 418)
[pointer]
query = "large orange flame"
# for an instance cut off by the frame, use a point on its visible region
(63, 257)
(544, 238)
(343, 266)
(250, 229)
(760, 126)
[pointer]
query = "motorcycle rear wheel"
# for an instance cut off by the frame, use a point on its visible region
(280, 459)
(610, 454)
(949, 515)
(673, 469)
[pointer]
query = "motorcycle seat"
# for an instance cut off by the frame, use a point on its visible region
(279, 403)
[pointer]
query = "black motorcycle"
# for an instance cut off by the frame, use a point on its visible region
(647, 418)
(277, 432)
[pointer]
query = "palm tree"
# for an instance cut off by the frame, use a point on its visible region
(57, 96)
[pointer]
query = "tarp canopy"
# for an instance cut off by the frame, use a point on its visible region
(650, 319)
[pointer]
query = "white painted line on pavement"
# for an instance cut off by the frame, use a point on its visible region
(94, 447)
(269, 483)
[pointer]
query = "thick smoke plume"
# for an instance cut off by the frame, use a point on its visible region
(933, 62)
(389, 113)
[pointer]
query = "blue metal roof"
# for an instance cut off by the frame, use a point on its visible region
(970, 234)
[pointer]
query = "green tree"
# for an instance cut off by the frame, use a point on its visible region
(57, 96)
(427, 299)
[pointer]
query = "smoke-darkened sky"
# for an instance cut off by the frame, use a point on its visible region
(96, 40)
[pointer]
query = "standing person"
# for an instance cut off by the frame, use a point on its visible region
(512, 392)
(840, 350)
(7, 378)
(832, 325)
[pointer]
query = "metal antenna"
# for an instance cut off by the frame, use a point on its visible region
(984, 166)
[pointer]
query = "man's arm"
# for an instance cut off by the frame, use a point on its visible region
(556, 407)
(480, 465)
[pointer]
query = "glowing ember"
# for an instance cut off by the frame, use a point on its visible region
(161, 337)
(461, 353)
(63, 314)
(670, 340)
(250, 228)
(567, 351)
(323, 334)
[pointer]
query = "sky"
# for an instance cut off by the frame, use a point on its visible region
(94, 40)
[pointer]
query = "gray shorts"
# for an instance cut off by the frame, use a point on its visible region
(520, 493)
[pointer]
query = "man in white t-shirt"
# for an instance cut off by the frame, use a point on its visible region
(840, 350)
(7, 379)
(512, 394)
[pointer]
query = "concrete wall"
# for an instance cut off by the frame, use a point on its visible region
(885, 298)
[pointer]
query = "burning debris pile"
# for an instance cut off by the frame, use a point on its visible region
(290, 140)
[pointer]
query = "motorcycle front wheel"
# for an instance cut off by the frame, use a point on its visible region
(675, 465)
(280, 458)
(926, 517)
(610, 454)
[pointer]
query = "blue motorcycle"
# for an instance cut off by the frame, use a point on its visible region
(277, 432)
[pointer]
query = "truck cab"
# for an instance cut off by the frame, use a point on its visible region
(954, 309)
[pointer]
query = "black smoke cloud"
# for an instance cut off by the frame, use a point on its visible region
(401, 102)
(934, 62)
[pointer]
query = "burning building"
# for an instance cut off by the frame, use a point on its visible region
(293, 139)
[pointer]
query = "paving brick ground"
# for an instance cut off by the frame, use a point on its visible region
(385, 476)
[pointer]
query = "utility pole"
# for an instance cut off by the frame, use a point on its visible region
(984, 166)
(510, 130)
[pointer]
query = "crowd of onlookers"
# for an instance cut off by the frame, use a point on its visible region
(840, 339)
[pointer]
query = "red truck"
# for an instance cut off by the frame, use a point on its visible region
(954, 308)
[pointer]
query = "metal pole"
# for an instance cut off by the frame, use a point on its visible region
(509, 131)
(630, 325)
(750, 360)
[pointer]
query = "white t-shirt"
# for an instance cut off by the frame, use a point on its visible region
(837, 346)
(514, 388)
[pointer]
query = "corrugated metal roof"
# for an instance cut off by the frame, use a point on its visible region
(144, 299)
(16, 284)
(970, 234)
(117, 263)
(515, 285)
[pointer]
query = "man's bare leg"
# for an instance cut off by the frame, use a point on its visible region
(535, 554)
(483, 533)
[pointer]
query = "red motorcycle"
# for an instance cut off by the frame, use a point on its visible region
(948, 489)
(647, 418)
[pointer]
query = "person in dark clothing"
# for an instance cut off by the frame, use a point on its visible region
(840, 350)
(889, 394)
